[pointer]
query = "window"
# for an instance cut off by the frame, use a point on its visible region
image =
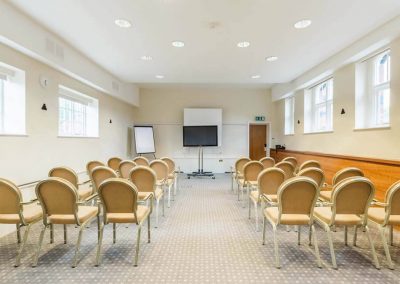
(373, 91)
(12, 100)
(78, 114)
(318, 107)
(289, 116)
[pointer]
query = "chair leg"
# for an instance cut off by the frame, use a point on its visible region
(148, 229)
(18, 233)
(169, 196)
(39, 246)
(276, 249)
(238, 191)
(329, 234)
(137, 244)
(298, 235)
(249, 208)
(345, 235)
(256, 214)
(114, 233)
(355, 236)
(385, 247)
(372, 248)
(310, 234)
(163, 205)
(98, 255)
(18, 260)
(51, 233)
(98, 227)
(391, 235)
(232, 183)
(264, 229)
(78, 244)
(65, 233)
(157, 205)
(312, 230)
(287, 228)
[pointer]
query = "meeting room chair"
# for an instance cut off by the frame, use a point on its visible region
(296, 201)
(237, 171)
(141, 161)
(162, 172)
(14, 211)
(268, 162)
(100, 174)
(114, 163)
(268, 182)
(343, 174)
(316, 174)
(172, 172)
(91, 165)
(287, 167)
(119, 199)
(291, 160)
(351, 199)
(251, 171)
(310, 164)
(145, 180)
(387, 215)
(61, 206)
(125, 168)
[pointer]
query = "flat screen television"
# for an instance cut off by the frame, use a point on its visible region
(195, 136)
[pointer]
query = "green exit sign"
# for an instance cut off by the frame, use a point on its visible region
(260, 118)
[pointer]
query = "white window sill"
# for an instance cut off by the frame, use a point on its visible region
(318, 132)
(66, 136)
(13, 135)
(373, 128)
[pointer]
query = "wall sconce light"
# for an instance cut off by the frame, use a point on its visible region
(44, 107)
(298, 122)
(110, 120)
(342, 112)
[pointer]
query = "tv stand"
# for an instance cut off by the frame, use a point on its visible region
(200, 172)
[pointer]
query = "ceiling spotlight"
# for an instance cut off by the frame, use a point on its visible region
(146, 57)
(255, 77)
(302, 24)
(160, 76)
(271, 58)
(243, 44)
(178, 44)
(122, 23)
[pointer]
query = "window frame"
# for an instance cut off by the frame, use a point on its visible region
(289, 118)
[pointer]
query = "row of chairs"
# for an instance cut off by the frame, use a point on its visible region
(122, 192)
(292, 195)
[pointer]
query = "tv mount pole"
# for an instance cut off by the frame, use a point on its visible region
(200, 172)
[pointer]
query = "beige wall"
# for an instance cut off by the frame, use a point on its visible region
(163, 108)
(383, 143)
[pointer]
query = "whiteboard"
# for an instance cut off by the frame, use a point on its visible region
(144, 139)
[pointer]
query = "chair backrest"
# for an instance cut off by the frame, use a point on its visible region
(118, 196)
(170, 163)
(287, 167)
(346, 173)
(114, 163)
(91, 165)
(269, 181)
(144, 178)
(352, 196)
(251, 170)
(141, 161)
(10, 197)
(298, 195)
(239, 164)
(57, 196)
(160, 168)
(310, 164)
(316, 174)
(125, 168)
(392, 197)
(65, 173)
(267, 162)
(291, 160)
(100, 174)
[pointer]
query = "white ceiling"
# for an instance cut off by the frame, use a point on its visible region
(210, 29)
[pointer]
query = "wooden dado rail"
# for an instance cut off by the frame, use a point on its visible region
(383, 173)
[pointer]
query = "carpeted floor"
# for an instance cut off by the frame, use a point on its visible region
(205, 237)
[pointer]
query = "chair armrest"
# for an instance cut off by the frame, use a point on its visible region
(29, 202)
(84, 182)
(378, 203)
(151, 195)
(91, 197)
(322, 203)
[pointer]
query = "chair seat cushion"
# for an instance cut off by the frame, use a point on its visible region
(84, 192)
(142, 213)
(272, 214)
(31, 213)
(377, 215)
(325, 195)
(324, 214)
(84, 214)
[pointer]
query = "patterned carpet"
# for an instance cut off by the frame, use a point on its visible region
(205, 237)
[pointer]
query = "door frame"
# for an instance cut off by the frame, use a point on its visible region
(268, 133)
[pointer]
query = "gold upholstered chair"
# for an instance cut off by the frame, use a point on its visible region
(287, 167)
(296, 200)
(237, 171)
(60, 203)
(125, 168)
(145, 180)
(268, 162)
(291, 160)
(100, 174)
(268, 183)
(141, 161)
(172, 172)
(91, 165)
(119, 198)
(387, 215)
(343, 174)
(14, 211)
(310, 164)
(351, 199)
(114, 163)
(250, 174)
(162, 172)
(315, 174)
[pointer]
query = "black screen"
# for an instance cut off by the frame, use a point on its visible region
(194, 136)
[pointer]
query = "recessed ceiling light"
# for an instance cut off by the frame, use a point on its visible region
(122, 23)
(243, 44)
(178, 44)
(302, 24)
(160, 76)
(255, 77)
(271, 58)
(146, 57)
